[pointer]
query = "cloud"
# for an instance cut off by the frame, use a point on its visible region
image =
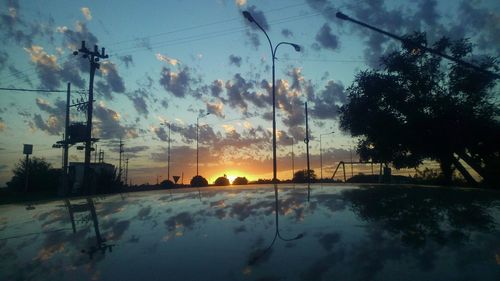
(70, 73)
(127, 60)
(131, 150)
(326, 39)
(286, 32)
(177, 83)
(113, 81)
(74, 37)
(327, 102)
(236, 60)
(216, 88)
(240, 3)
(2, 125)
(161, 133)
(3, 59)
(237, 89)
(108, 124)
(166, 59)
(216, 108)
(139, 100)
(51, 125)
(46, 66)
(86, 13)
(254, 29)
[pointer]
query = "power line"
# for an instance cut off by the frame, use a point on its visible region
(38, 90)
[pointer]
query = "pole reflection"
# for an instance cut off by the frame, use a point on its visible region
(101, 245)
(261, 253)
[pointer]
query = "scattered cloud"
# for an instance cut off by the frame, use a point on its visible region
(108, 124)
(326, 39)
(46, 66)
(73, 37)
(240, 3)
(286, 32)
(252, 32)
(327, 103)
(86, 13)
(139, 100)
(216, 108)
(236, 60)
(113, 82)
(177, 83)
(166, 59)
(127, 60)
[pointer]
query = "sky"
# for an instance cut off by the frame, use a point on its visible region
(173, 61)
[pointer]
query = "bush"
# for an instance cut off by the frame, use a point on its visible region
(301, 176)
(199, 181)
(221, 181)
(41, 176)
(167, 184)
(240, 181)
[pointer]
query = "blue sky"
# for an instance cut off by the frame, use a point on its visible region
(172, 61)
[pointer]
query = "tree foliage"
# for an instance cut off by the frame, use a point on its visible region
(221, 181)
(41, 176)
(199, 181)
(302, 176)
(167, 184)
(420, 106)
(240, 181)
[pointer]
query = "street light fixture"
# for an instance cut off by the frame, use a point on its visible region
(321, 154)
(249, 17)
(197, 129)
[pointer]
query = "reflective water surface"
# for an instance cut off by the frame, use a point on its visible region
(234, 233)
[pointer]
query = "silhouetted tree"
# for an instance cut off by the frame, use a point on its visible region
(42, 177)
(221, 181)
(199, 181)
(240, 181)
(419, 106)
(302, 176)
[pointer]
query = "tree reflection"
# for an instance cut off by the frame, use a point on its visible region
(417, 215)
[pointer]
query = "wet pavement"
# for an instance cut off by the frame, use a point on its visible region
(333, 232)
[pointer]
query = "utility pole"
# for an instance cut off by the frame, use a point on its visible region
(293, 165)
(95, 153)
(306, 141)
(93, 58)
(66, 133)
(168, 158)
(126, 171)
(101, 156)
(120, 161)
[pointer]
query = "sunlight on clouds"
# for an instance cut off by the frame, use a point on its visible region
(86, 13)
(166, 59)
(228, 128)
(240, 3)
(39, 56)
(62, 29)
(247, 125)
(12, 12)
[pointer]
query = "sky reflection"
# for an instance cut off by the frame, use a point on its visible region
(346, 233)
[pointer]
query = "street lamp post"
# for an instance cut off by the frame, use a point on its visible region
(249, 17)
(197, 129)
(321, 154)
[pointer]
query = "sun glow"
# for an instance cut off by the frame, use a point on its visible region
(231, 178)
